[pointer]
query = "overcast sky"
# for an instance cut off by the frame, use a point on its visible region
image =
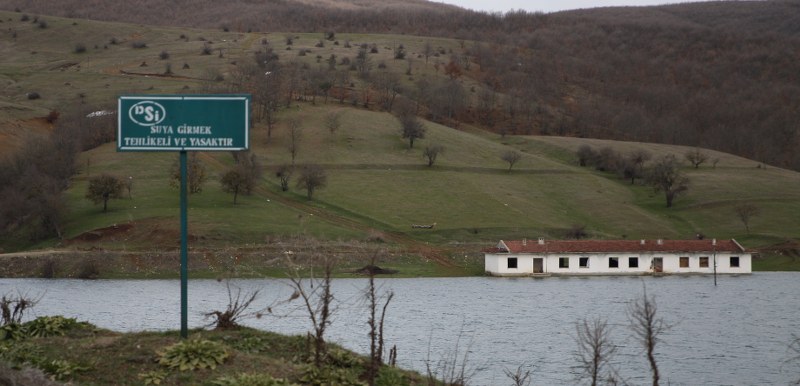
(548, 6)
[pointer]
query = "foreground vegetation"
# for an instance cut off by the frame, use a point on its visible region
(78, 352)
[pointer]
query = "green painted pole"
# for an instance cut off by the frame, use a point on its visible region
(184, 249)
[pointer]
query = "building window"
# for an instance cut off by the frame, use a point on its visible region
(512, 262)
(613, 262)
(704, 262)
(583, 262)
(563, 262)
(684, 262)
(633, 262)
(734, 261)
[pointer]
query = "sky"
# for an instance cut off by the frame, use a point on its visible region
(548, 6)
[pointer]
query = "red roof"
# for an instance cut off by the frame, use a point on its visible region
(599, 246)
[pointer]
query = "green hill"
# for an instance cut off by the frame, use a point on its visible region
(377, 187)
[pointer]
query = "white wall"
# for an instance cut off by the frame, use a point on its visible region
(497, 264)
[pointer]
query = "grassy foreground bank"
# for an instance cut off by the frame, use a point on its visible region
(64, 350)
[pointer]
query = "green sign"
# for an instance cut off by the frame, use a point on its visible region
(183, 122)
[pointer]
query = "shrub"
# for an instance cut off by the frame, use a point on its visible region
(88, 269)
(138, 44)
(113, 41)
(52, 116)
(251, 380)
(164, 55)
(61, 369)
(390, 376)
(206, 49)
(33, 95)
(46, 326)
(42, 24)
(329, 376)
(80, 48)
(24, 17)
(154, 377)
(193, 354)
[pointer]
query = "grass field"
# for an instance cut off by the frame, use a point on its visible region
(377, 187)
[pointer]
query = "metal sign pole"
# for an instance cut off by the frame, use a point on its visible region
(184, 249)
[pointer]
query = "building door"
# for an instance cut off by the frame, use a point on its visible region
(538, 265)
(658, 264)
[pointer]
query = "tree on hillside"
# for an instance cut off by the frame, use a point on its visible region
(333, 121)
(511, 156)
(295, 135)
(586, 155)
(745, 212)
(103, 188)
(696, 157)
(195, 174)
(665, 176)
(312, 177)
(633, 165)
(411, 127)
(431, 152)
(284, 174)
(242, 177)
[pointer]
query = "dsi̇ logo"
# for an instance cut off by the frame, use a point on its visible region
(147, 113)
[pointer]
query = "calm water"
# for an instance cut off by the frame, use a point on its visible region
(734, 334)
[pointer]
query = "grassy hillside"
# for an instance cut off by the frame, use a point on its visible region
(377, 186)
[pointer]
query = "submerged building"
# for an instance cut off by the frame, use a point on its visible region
(616, 257)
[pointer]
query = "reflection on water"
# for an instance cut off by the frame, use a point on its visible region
(734, 334)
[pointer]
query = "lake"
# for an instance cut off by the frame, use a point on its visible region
(736, 333)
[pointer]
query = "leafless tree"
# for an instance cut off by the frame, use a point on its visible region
(431, 152)
(312, 177)
(317, 301)
(376, 322)
(520, 377)
(427, 51)
(452, 369)
(696, 157)
(411, 127)
(665, 176)
(794, 349)
(746, 211)
(284, 174)
(647, 328)
(511, 156)
(586, 155)
(238, 308)
(633, 164)
(243, 176)
(595, 350)
(333, 121)
(195, 173)
(12, 308)
(295, 136)
(103, 188)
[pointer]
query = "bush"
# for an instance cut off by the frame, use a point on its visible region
(88, 269)
(46, 326)
(164, 55)
(138, 44)
(33, 95)
(48, 270)
(42, 24)
(193, 354)
(329, 376)
(113, 41)
(251, 380)
(52, 116)
(206, 50)
(80, 48)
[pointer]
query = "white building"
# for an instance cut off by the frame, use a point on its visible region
(616, 257)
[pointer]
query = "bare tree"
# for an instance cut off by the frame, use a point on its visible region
(511, 156)
(696, 157)
(312, 177)
(242, 177)
(295, 135)
(333, 121)
(633, 165)
(284, 174)
(195, 173)
(746, 211)
(665, 176)
(12, 308)
(647, 328)
(595, 349)
(794, 348)
(103, 188)
(411, 127)
(427, 51)
(520, 377)
(431, 152)
(318, 303)
(586, 155)
(238, 308)
(376, 321)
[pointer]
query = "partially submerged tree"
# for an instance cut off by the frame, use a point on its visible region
(595, 350)
(103, 188)
(431, 152)
(665, 176)
(647, 328)
(312, 177)
(746, 211)
(511, 156)
(376, 300)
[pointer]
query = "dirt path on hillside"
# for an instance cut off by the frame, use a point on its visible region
(437, 254)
